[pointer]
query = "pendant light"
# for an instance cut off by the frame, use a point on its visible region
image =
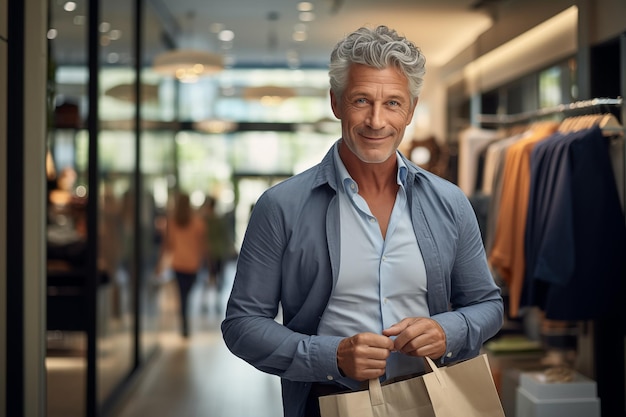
(188, 64)
(269, 95)
(126, 92)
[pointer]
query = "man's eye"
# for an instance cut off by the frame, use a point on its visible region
(394, 103)
(361, 101)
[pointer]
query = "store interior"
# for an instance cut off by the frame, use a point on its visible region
(124, 136)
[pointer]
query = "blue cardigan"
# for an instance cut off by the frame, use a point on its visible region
(290, 257)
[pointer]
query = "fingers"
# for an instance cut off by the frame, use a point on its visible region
(397, 328)
(364, 356)
(418, 336)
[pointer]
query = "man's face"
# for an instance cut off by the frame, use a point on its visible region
(374, 110)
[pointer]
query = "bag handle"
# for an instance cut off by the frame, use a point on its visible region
(376, 392)
(435, 370)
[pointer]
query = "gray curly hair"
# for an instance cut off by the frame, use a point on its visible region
(379, 48)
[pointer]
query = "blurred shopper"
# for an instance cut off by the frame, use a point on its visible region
(219, 250)
(184, 247)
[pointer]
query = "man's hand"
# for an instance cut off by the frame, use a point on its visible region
(418, 336)
(364, 356)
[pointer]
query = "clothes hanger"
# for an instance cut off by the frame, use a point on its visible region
(610, 125)
(606, 121)
(587, 121)
(568, 124)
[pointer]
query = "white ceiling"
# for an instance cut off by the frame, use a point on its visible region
(441, 28)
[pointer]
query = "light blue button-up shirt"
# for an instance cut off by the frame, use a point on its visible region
(381, 281)
(290, 259)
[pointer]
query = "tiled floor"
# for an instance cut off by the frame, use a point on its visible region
(199, 376)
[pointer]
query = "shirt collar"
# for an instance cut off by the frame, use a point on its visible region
(349, 186)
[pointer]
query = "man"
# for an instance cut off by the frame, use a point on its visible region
(373, 262)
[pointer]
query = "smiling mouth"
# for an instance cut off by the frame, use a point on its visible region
(374, 137)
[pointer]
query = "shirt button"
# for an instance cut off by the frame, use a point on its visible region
(449, 355)
(372, 220)
(329, 377)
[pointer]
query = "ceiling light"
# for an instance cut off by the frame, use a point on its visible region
(215, 126)
(226, 35)
(104, 27)
(187, 65)
(113, 58)
(268, 94)
(305, 6)
(70, 6)
(307, 16)
(115, 34)
(299, 36)
(126, 92)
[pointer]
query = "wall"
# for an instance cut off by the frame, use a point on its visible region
(604, 18)
(511, 19)
(537, 48)
(34, 258)
(23, 136)
(3, 235)
(608, 20)
(515, 17)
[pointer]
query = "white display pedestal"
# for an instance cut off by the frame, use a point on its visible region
(536, 397)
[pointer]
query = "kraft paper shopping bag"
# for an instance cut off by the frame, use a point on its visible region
(463, 389)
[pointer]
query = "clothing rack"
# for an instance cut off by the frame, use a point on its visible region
(505, 119)
(607, 344)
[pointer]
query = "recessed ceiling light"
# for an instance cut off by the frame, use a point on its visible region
(307, 16)
(187, 64)
(115, 34)
(104, 27)
(299, 36)
(113, 57)
(69, 6)
(226, 35)
(305, 6)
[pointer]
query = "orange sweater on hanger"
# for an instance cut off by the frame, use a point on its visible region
(507, 253)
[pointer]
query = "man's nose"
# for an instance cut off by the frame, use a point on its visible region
(375, 118)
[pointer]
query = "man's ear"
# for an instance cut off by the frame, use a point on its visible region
(334, 104)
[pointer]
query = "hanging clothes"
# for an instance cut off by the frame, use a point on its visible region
(507, 254)
(618, 161)
(575, 235)
(472, 141)
(492, 182)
